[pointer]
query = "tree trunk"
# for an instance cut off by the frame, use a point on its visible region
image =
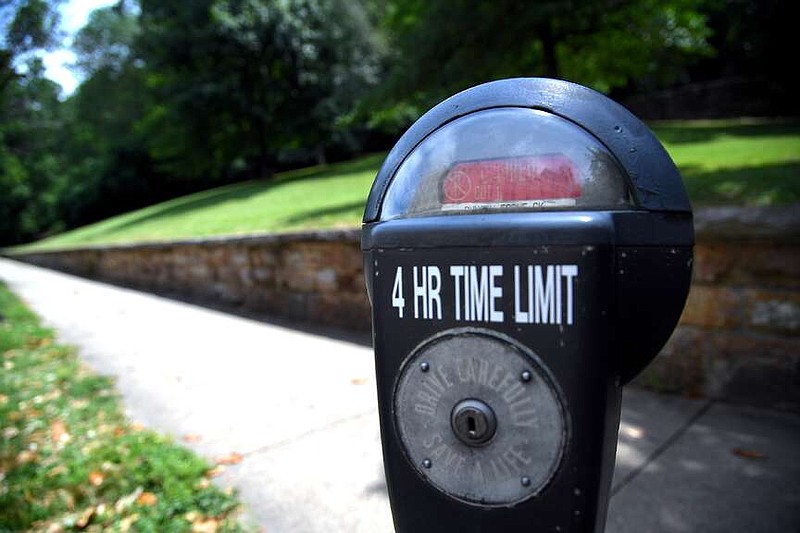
(549, 42)
(320, 153)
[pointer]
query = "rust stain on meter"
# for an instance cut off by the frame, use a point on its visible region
(479, 417)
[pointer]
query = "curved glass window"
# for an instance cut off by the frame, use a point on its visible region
(506, 159)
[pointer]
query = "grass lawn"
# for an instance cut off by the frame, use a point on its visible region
(723, 162)
(736, 162)
(69, 461)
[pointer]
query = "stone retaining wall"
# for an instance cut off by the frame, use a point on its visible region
(312, 277)
(738, 335)
(737, 339)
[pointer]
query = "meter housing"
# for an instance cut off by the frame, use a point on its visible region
(527, 250)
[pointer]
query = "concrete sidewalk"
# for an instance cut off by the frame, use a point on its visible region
(301, 409)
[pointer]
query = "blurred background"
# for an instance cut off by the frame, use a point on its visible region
(107, 110)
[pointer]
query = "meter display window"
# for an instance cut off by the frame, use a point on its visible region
(506, 159)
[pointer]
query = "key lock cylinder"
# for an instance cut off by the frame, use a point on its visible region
(527, 249)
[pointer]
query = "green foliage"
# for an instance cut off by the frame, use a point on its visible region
(443, 46)
(25, 26)
(739, 163)
(29, 155)
(105, 42)
(736, 162)
(317, 197)
(182, 96)
(29, 118)
(71, 461)
(268, 77)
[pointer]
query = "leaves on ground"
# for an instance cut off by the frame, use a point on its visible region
(232, 458)
(70, 461)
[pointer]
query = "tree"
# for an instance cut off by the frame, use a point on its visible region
(29, 157)
(29, 120)
(26, 25)
(241, 81)
(445, 45)
(109, 166)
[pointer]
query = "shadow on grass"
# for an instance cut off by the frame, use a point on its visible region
(240, 191)
(762, 185)
(688, 132)
(325, 211)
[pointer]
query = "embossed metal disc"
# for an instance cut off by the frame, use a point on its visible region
(531, 433)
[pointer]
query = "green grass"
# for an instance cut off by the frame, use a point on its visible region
(70, 461)
(317, 197)
(723, 162)
(736, 162)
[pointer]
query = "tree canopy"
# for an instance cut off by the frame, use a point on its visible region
(178, 96)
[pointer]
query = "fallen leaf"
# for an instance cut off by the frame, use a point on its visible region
(126, 523)
(748, 454)
(137, 426)
(26, 456)
(217, 470)
(39, 343)
(147, 498)
(57, 471)
(209, 525)
(67, 498)
(79, 404)
(126, 501)
(58, 432)
(96, 478)
(85, 517)
(230, 459)
(191, 437)
(55, 528)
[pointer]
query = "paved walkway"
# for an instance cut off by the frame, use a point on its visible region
(301, 409)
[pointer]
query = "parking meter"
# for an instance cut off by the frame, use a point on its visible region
(527, 248)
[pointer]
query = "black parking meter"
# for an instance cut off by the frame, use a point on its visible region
(528, 249)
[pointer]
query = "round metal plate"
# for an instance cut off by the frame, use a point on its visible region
(526, 448)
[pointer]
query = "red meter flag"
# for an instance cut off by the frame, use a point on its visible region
(550, 180)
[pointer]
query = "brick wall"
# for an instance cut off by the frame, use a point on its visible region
(737, 339)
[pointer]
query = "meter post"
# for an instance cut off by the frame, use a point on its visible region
(527, 250)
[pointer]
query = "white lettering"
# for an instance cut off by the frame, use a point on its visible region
(434, 286)
(457, 272)
(420, 293)
(478, 293)
(520, 316)
(397, 292)
(495, 292)
(544, 296)
(570, 272)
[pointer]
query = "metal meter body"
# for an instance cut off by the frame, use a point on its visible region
(527, 249)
